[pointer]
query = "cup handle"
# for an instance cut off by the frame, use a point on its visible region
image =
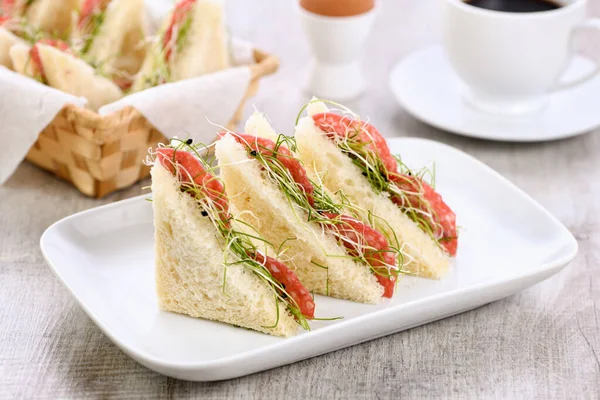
(592, 23)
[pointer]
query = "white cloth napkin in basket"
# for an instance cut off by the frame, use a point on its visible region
(191, 108)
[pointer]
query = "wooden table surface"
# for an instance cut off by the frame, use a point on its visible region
(543, 342)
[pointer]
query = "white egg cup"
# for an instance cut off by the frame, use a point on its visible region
(337, 44)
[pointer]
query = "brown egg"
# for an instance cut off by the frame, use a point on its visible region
(337, 8)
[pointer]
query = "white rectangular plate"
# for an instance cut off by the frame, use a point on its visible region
(105, 257)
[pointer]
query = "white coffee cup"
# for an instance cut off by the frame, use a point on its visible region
(511, 62)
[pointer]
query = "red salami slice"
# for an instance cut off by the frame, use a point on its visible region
(345, 127)
(266, 147)
(190, 170)
(179, 14)
(418, 194)
(292, 284)
(9, 8)
(360, 238)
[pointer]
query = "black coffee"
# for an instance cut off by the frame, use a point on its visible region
(516, 6)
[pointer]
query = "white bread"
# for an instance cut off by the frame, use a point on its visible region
(149, 65)
(132, 53)
(7, 40)
(20, 59)
(119, 44)
(206, 48)
(258, 125)
(283, 223)
(316, 106)
(323, 160)
(68, 73)
(190, 270)
(48, 16)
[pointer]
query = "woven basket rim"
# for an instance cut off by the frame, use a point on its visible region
(102, 153)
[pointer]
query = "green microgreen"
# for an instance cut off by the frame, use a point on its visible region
(328, 319)
(281, 248)
(327, 274)
(181, 32)
(92, 29)
(161, 71)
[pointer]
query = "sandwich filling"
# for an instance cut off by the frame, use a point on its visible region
(369, 151)
(173, 39)
(362, 242)
(200, 183)
(176, 33)
(91, 18)
(19, 27)
(36, 60)
(11, 18)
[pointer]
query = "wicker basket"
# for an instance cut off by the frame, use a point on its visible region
(101, 154)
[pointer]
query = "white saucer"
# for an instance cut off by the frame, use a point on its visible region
(427, 87)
